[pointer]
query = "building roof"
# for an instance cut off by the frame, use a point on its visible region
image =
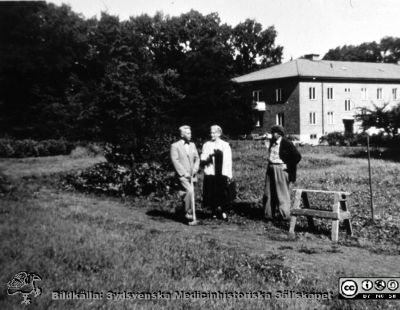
(325, 69)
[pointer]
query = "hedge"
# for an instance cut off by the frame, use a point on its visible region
(32, 148)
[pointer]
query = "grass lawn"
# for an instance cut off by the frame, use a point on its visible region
(77, 241)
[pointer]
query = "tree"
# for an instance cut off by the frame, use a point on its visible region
(388, 51)
(381, 117)
(199, 49)
(252, 45)
(365, 52)
(390, 47)
(205, 70)
(42, 46)
(63, 75)
(125, 94)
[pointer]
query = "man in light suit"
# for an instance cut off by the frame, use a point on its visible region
(186, 162)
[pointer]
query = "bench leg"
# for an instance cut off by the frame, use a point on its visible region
(348, 226)
(292, 224)
(335, 230)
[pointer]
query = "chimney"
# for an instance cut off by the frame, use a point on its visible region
(311, 56)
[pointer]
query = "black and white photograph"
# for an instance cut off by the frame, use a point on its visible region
(187, 154)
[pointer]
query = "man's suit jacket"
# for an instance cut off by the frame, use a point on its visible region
(290, 156)
(184, 163)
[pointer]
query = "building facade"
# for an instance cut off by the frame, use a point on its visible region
(311, 98)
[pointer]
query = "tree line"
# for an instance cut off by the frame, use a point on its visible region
(63, 75)
(387, 50)
(106, 79)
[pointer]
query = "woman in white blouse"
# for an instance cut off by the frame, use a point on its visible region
(216, 158)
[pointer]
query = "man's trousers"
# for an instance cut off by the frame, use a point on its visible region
(186, 192)
(276, 192)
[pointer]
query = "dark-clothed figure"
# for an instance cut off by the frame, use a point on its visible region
(216, 158)
(281, 170)
(186, 161)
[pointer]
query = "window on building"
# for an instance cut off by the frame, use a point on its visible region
(313, 136)
(331, 120)
(347, 105)
(364, 94)
(311, 93)
(312, 118)
(330, 92)
(280, 119)
(256, 95)
(347, 90)
(278, 94)
(394, 93)
(379, 93)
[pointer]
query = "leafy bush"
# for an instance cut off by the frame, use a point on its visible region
(25, 148)
(134, 169)
(32, 148)
(155, 149)
(114, 179)
(88, 150)
(360, 139)
(6, 148)
(5, 184)
(333, 138)
(94, 149)
(385, 140)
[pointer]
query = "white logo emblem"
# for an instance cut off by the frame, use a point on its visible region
(349, 288)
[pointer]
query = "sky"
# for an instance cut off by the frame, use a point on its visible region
(303, 26)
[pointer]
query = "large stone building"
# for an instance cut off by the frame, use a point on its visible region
(311, 97)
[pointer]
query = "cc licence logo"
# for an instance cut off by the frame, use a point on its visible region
(348, 288)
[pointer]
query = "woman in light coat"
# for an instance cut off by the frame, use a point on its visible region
(216, 158)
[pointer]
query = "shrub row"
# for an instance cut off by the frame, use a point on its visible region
(32, 148)
(381, 140)
(114, 179)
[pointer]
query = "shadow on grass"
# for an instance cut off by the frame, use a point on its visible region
(321, 228)
(176, 216)
(390, 154)
(253, 210)
(248, 209)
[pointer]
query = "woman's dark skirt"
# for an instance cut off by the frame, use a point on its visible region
(215, 192)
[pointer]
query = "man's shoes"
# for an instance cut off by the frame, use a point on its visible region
(224, 216)
(189, 216)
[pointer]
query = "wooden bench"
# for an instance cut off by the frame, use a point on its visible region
(340, 211)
